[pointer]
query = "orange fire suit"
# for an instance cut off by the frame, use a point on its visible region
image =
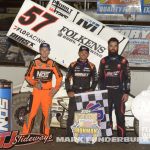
(41, 72)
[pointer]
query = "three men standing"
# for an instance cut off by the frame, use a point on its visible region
(113, 75)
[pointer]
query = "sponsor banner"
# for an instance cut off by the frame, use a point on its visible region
(36, 25)
(137, 50)
(85, 128)
(13, 138)
(96, 101)
(146, 7)
(5, 105)
(12, 53)
(90, 24)
(119, 6)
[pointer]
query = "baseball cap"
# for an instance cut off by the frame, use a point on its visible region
(45, 45)
(84, 48)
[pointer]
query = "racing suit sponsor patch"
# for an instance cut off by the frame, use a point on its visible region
(43, 74)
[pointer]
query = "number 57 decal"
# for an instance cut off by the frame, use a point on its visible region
(31, 15)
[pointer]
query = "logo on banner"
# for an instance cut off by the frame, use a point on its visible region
(88, 24)
(60, 9)
(85, 128)
(21, 40)
(28, 18)
(75, 37)
(3, 114)
(11, 139)
(96, 108)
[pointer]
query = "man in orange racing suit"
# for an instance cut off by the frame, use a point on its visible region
(39, 75)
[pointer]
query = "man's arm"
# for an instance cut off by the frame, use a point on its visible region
(94, 78)
(68, 79)
(126, 77)
(101, 76)
(29, 74)
(126, 80)
(58, 75)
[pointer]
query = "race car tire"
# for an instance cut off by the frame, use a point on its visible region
(19, 103)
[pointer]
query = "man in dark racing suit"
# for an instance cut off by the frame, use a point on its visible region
(114, 75)
(83, 74)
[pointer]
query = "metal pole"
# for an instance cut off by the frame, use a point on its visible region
(88, 5)
(84, 5)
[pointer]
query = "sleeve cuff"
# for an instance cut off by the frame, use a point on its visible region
(127, 92)
(70, 90)
(92, 89)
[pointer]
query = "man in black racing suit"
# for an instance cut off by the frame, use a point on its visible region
(83, 74)
(114, 75)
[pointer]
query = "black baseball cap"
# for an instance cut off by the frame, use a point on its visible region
(45, 45)
(84, 48)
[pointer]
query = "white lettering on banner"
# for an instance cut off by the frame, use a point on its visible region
(3, 114)
(118, 9)
(86, 22)
(146, 10)
(134, 33)
(36, 24)
(109, 8)
(128, 1)
(29, 35)
(21, 40)
(82, 40)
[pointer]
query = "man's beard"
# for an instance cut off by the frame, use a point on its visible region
(113, 54)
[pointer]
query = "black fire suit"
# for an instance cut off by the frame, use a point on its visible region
(84, 78)
(114, 75)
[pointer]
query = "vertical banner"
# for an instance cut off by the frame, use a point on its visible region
(86, 22)
(96, 101)
(5, 105)
(119, 6)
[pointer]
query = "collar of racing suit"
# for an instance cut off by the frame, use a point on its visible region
(113, 54)
(43, 60)
(82, 63)
(78, 60)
